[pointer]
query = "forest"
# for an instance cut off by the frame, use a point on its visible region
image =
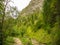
(37, 28)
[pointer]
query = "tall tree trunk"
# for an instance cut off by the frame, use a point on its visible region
(2, 14)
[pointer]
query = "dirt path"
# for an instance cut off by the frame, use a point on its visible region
(17, 41)
(34, 42)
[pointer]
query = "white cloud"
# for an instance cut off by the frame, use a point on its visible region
(20, 4)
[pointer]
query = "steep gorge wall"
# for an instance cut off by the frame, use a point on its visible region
(32, 7)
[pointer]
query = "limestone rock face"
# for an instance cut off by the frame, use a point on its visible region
(32, 7)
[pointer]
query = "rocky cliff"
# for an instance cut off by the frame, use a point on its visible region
(32, 7)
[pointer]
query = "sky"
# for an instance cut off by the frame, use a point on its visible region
(20, 4)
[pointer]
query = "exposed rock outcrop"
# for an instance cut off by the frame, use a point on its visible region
(33, 7)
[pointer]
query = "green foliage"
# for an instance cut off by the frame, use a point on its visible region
(26, 41)
(9, 41)
(51, 16)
